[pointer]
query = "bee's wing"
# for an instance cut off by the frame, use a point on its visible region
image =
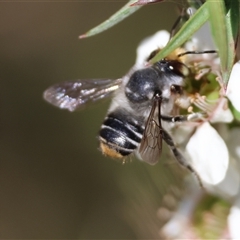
(75, 94)
(151, 145)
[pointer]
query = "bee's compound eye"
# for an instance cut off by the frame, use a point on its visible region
(173, 67)
(170, 67)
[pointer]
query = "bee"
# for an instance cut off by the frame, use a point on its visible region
(141, 112)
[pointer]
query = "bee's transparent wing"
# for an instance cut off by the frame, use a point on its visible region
(151, 145)
(75, 94)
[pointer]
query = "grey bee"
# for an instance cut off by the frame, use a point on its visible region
(141, 110)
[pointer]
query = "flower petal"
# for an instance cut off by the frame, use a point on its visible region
(148, 45)
(233, 86)
(229, 187)
(209, 154)
(222, 113)
(234, 220)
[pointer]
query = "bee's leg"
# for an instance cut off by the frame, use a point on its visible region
(177, 23)
(183, 118)
(182, 161)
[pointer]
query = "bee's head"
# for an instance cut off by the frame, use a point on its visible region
(173, 67)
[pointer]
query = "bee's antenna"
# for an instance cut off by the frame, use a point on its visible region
(197, 52)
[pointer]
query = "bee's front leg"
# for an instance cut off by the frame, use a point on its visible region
(184, 118)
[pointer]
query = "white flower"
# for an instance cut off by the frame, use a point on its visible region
(233, 86)
(150, 44)
(234, 215)
(234, 220)
(209, 154)
(222, 113)
(212, 150)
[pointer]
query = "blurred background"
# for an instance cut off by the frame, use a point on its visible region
(54, 182)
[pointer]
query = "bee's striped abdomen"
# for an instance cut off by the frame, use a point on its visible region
(118, 137)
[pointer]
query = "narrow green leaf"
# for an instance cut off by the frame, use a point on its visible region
(235, 113)
(123, 13)
(232, 23)
(217, 19)
(186, 31)
(145, 2)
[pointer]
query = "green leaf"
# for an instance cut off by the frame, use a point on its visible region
(186, 31)
(217, 13)
(225, 26)
(232, 23)
(145, 2)
(123, 13)
(235, 113)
